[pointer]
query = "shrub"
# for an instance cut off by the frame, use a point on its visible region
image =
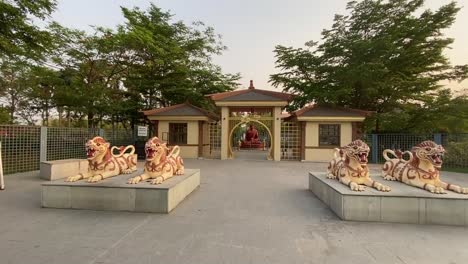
(457, 155)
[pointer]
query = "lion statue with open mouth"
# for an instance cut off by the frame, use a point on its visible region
(422, 169)
(161, 162)
(349, 166)
(103, 163)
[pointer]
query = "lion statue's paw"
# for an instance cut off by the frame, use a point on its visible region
(129, 170)
(440, 190)
(95, 178)
(74, 178)
(331, 176)
(389, 178)
(464, 190)
(134, 180)
(158, 180)
(434, 189)
(179, 172)
(356, 187)
(383, 188)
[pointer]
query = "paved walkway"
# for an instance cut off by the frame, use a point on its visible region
(250, 154)
(243, 212)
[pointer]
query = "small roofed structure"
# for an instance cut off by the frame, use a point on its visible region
(185, 111)
(317, 112)
(263, 107)
(327, 127)
(185, 125)
(251, 97)
(309, 134)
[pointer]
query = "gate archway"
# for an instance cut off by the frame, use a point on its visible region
(246, 121)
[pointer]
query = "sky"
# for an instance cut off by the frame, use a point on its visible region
(250, 28)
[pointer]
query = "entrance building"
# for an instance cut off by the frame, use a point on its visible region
(253, 119)
(260, 107)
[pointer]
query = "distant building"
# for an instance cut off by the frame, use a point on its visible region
(309, 134)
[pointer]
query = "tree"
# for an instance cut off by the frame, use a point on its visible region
(108, 75)
(91, 69)
(172, 61)
(18, 34)
(44, 83)
(148, 62)
(4, 116)
(384, 55)
(14, 86)
(441, 113)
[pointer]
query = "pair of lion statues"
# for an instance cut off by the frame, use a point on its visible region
(349, 165)
(161, 162)
(422, 169)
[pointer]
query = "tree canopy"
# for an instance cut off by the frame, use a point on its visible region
(108, 75)
(18, 34)
(384, 56)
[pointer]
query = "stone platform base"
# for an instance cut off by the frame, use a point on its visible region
(60, 169)
(404, 204)
(115, 194)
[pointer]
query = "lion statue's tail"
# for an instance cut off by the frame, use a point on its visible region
(386, 152)
(175, 151)
(398, 154)
(122, 150)
(337, 153)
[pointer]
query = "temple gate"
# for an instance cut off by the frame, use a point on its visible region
(261, 108)
(250, 124)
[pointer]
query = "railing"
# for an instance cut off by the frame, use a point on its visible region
(21, 148)
(24, 147)
(290, 141)
(456, 146)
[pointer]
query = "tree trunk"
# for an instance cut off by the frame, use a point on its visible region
(12, 110)
(90, 120)
(377, 125)
(68, 117)
(60, 112)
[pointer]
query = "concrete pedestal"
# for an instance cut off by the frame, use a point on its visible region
(404, 204)
(116, 195)
(60, 169)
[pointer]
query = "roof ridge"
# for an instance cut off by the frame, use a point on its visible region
(206, 112)
(162, 109)
(172, 107)
(224, 95)
(315, 105)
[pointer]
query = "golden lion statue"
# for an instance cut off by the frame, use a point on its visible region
(103, 163)
(161, 162)
(422, 169)
(349, 166)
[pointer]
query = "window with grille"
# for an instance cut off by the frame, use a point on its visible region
(329, 135)
(177, 133)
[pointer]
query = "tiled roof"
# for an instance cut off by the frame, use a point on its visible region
(185, 109)
(330, 111)
(251, 94)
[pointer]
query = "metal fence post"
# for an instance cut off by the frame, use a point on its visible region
(438, 138)
(101, 132)
(375, 148)
(43, 145)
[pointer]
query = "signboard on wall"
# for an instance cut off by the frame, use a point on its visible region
(142, 131)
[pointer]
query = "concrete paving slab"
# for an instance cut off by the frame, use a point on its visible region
(244, 212)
